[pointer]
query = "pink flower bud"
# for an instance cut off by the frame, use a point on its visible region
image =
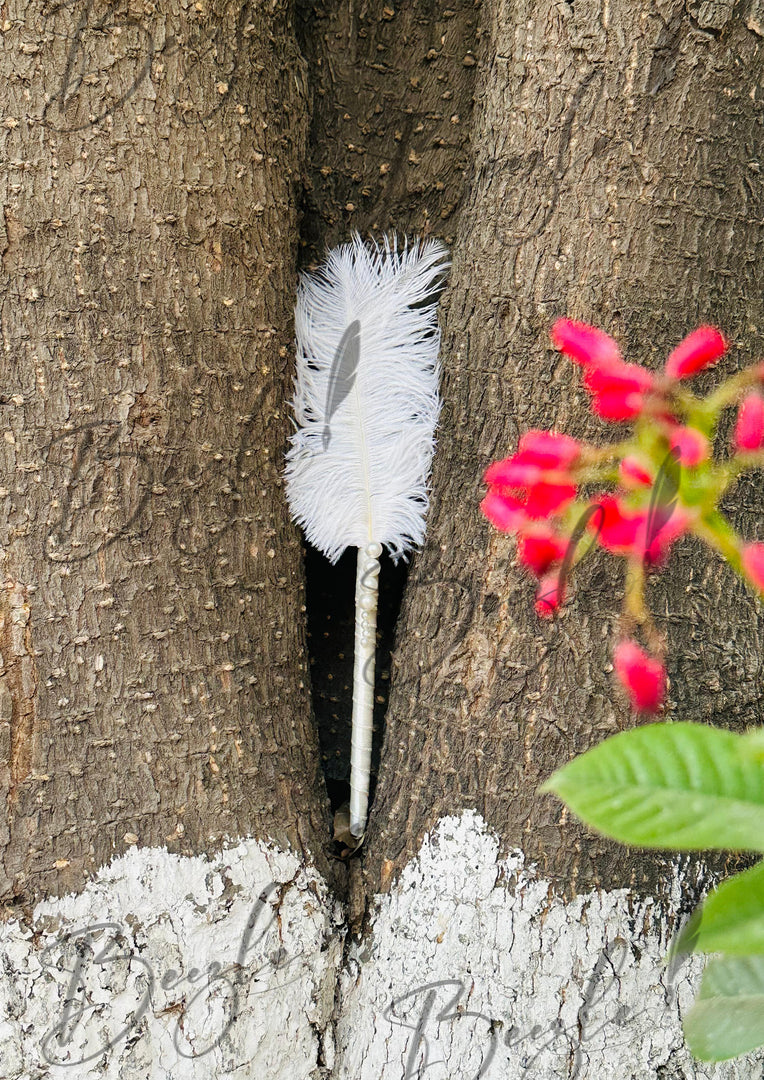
(513, 473)
(692, 445)
(537, 550)
(753, 564)
(548, 449)
(633, 474)
(583, 343)
(548, 498)
(504, 511)
(749, 430)
(617, 528)
(698, 350)
(643, 678)
(548, 596)
(619, 406)
(618, 389)
(548, 490)
(618, 378)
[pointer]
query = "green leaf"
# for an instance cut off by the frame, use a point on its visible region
(731, 919)
(677, 786)
(752, 743)
(727, 1017)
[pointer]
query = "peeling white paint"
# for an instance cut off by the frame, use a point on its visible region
(472, 968)
(155, 993)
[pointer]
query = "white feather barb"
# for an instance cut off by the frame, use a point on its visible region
(366, 398)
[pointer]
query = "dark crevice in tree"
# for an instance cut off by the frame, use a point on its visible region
(331, 627)
(390, 99)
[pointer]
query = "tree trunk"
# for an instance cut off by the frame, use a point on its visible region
(601, 181)
(154, 700)
(153, 689)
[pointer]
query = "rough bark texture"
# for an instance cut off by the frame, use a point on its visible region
(391, 104)
(154, 689)
(615, 178)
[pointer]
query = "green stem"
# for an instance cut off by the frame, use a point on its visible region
(596, 476)
(729, 392)
(719, 534)
(596, 455)
(635, 591)
(635, 607)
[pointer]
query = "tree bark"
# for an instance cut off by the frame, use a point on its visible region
(391, 91)
(154, 688)
(613, 182)
(596, 160)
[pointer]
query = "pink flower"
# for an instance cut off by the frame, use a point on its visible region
(618, 389)
(584, 344)
(698, 350)
(546, 492)
(549, 596)
(504, 511)
(540, 469)
(548, 498)
(643, 678)
(547, 449)
(633, 474)
(692, 445)
(513, 473)
(537, 550)
(749, 430)
(753, 564)
(619, 406)
(617, 528)
(625, 532)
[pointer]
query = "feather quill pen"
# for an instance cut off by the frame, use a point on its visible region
(366, 405)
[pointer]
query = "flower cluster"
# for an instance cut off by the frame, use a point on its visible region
(659, 483)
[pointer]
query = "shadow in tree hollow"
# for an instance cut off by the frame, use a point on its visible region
(331, 613)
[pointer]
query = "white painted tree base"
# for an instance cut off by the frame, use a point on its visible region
(180, 917)
(472, 968)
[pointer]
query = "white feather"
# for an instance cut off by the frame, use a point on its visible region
(366, 406)
(370, 483)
